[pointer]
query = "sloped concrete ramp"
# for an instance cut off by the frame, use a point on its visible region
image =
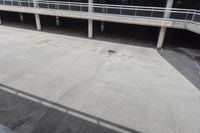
(127, 85)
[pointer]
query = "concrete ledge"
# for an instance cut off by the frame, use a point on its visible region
(108, 17)
(97, 16)
(193, 27)
(137, 20)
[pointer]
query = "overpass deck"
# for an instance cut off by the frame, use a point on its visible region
(187, 19)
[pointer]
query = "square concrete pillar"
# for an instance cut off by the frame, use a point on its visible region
(57, 21)
(37, 20)
(90, 28)
(102, 26)
(90, 21)
(163, 30)
(161, 37)
(21, 17)
(37, 16)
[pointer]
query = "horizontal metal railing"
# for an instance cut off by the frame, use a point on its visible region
(186, 15)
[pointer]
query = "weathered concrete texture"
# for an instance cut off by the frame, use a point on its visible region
(26, 116)
(133, 86)
(20, 114)
(4, 129)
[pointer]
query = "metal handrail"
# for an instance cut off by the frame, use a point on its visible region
(111, 5)
(101, 5)
(187, 15)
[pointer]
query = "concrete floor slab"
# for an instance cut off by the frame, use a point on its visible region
(133, 86)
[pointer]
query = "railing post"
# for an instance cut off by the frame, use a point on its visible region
(120, 9)
(106, 9)
(136, 11)
(47, 5)
(152, 10)
(194, 13)
(186, 17)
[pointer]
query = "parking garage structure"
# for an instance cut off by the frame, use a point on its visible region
(163, 14)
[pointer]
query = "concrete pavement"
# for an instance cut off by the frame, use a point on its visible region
(133, 87)
(4, 129)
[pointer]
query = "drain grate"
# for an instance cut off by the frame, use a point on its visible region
(111, 51)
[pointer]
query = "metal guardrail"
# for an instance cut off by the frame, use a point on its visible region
(186, 15)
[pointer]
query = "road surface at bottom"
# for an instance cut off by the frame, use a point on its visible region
(127, 85)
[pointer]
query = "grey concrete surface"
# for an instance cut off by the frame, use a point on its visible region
(186, 61)
(133, 86)
(193, 27)
(4, 129)
(23, 115)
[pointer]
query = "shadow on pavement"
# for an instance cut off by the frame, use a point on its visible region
(26, 113)
(187, 64)
(143, 36)
(182, 51)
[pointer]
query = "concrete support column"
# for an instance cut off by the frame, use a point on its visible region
(37, 16)
(0, 21)
(161, 37)
(168, 5)
(57, 21)
(102, 26)
(102, 23)
(37, 20)
(90, 21)
(164, 29)
(21, 17)
(90, 28)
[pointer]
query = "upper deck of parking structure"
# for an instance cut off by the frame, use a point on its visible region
(188, 19)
